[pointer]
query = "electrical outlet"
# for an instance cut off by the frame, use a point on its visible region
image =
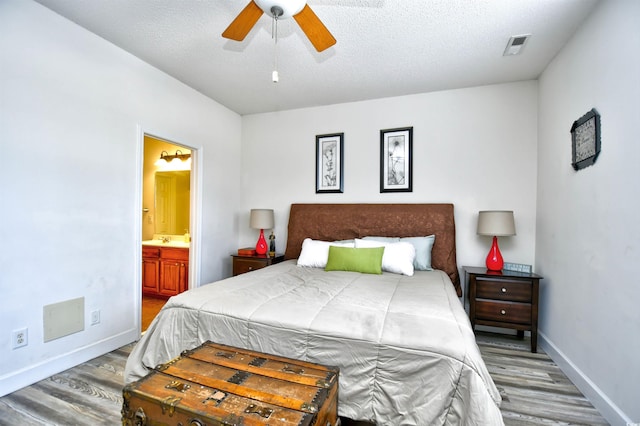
(19, 338)
(95, 317)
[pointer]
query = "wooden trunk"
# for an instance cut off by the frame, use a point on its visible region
(219, 385)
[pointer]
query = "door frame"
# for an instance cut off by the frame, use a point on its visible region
(195, 213)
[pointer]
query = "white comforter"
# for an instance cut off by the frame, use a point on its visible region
(404, 345)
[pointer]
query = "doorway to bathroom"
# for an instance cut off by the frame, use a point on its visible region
(166, 225)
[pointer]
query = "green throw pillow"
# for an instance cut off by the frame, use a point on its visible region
(365, 260)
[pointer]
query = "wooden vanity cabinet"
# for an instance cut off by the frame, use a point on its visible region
(150, 270)
(165, 270)
(174, 270)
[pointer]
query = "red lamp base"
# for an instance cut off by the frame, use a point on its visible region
(494, 258)
(261, 245)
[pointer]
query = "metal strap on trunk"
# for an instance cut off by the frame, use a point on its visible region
(227, 386)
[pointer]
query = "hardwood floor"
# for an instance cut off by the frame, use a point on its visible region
(150, 308)
(533, 388)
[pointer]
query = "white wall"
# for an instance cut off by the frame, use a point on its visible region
(588, 232)
(68, 97)
(70, 109)
(472, 147)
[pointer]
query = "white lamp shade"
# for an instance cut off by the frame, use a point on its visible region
(261, 219)
(496, 223)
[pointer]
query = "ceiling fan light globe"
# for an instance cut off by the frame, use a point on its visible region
(289, 7)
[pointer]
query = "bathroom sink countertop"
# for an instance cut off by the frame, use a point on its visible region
(160, 243)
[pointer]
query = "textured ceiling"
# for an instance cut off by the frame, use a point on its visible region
(384, 47)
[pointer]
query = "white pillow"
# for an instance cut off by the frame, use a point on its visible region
(423, 246)
(397, 258)
(315, 253)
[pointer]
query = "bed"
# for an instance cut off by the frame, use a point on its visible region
(404, 345)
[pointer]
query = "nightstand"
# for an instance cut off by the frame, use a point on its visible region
(504, 299)
(242, 264)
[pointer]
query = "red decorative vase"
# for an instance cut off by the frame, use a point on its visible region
(494, 258)
(261, 245)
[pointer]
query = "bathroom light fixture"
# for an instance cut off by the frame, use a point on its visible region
(496, 223)
(261, 219)
(166, 158)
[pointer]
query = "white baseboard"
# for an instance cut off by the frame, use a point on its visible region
(607, 408)
(34, 373)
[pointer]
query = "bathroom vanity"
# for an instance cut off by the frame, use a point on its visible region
(165, 269)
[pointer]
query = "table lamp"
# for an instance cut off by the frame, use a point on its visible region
(496, 223)
(261, 219)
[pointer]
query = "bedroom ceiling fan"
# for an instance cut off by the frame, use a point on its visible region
(306, 18)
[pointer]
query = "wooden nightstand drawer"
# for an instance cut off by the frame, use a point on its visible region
(514, 291)
(519, 313)
(505, 299)
(242, 264)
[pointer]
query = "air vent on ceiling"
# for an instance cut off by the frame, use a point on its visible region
(516, 44)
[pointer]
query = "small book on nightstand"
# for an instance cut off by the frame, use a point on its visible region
(247, 251)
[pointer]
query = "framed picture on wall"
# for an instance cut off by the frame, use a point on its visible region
(585, 140)
(396, 151)
(329, 163)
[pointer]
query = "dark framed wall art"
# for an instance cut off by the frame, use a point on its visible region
(396, 152)
(585, 140)
(329, 163)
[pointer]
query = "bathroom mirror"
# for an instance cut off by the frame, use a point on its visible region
(172, 201)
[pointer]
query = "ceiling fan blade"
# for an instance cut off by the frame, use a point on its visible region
(315, 30)
(243, 23)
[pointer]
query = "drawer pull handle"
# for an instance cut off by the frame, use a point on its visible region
(503, 312)
(251, 268)
(504, 290)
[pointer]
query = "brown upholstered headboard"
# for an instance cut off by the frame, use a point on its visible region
(330, 222)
